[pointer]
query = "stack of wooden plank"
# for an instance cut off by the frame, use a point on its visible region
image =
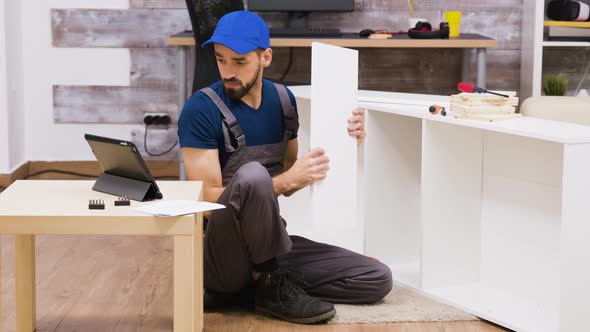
(484, 106)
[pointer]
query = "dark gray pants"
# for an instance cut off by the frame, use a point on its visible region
(251, 231)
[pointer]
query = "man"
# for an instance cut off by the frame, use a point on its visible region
(239, 137)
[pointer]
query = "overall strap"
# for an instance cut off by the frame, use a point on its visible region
(290, 120)
(230, 124)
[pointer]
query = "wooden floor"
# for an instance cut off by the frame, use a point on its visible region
(124, 283)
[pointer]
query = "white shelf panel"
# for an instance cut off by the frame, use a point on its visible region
(398, 98)
(566, 44)
(491, 304)
(548, 130)
(392, 178)
(406, 104)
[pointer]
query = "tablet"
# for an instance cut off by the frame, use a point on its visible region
(122, 159)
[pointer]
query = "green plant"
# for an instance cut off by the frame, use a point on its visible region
(555, 85)
(411, 5)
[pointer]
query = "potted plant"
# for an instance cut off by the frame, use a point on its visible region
(555, 85)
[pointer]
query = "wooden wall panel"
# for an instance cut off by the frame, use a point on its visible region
(116, 28)
(395, 70)
(154, 68)
(419, 5)
(300, 70)
(107, 104)
(158, 141)
(503, 69)
(154, 81)
(180, 4)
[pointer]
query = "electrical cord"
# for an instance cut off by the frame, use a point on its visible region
(146, 147)
(289, 63)
(163, 177)
(61, 172)
(167, 177)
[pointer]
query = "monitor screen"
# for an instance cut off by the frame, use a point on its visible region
(300, 5)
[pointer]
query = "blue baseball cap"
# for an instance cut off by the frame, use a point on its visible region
(242, 31)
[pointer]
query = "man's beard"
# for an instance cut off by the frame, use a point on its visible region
(238, 93)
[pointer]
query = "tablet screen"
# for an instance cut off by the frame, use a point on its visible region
(118, 157)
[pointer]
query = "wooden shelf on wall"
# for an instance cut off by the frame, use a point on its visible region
(568, 24)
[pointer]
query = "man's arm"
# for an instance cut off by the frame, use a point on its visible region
(300, 172)
(312, 166)
(203, 165)
(288, 161)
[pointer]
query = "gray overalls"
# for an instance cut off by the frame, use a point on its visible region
(251, 230)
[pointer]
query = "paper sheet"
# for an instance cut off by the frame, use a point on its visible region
(177, 208)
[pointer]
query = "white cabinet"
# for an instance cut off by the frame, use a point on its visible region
(489, 217)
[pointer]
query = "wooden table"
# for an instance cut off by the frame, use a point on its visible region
(465, 41)
(35, 207)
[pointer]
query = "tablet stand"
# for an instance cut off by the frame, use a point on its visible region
(122, 186)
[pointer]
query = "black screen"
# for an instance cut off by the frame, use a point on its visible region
(119, 157)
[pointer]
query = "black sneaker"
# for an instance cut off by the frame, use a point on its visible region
(276, 294)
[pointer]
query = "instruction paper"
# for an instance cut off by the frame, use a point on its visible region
(177, 208)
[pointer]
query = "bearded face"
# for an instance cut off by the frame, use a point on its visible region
(239, 72)
(236, 89)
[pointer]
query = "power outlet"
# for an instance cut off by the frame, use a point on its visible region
(156, 119)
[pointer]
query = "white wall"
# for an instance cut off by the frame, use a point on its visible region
(43, 66)
(4, 167)
(14, 85)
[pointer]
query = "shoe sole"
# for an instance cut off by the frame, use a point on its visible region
(310, 320)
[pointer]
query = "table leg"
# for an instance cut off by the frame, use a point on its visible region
(25, 283)
(183, 96)
(188, 281)
(465, 69)
(0, 294)
(481, 67)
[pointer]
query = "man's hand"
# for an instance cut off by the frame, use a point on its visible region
(356, 125)
(311, 167)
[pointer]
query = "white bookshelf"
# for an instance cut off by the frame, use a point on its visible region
(531, 70)
(488, 217)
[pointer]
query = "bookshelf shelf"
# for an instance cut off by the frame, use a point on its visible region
(535, 28)
(566, 24)
(548, 43)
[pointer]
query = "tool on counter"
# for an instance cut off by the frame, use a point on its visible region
(470, 88)
(122, 201)
(96, 204)
(435, 109)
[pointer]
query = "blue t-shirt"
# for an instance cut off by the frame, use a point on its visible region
(200, 122)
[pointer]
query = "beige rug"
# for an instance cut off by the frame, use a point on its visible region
(401, 305)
